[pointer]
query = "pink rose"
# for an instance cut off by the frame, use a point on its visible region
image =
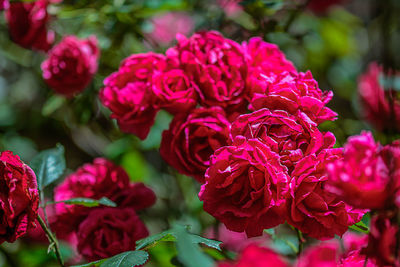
(246, 187)
(324, 254)
(365, 176)
(100, 179)
(4, 4)
(294, 92)
(109, 231)
(19, 197)
(291, 136)
(71, 64)
(313, 210)
(191, 139)
(375, 99)
(256, 256)
(27, 25)
(128, 93)
(174, 91)
(217, 66)
(166, 26)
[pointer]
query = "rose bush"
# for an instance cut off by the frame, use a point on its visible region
(19, 197)
(71, 64)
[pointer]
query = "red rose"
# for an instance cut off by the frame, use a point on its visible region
(375, 99)
(291, 136)
(128, 93)
(19, 197)
(27, 25)
(323, 6)
(256, 256)
(71, 64)
(216, 64)
(174, 91)
(313, 210)
(383, 242)
(246, 187)
(109, 231)
(325, 254)
(368, 175)
(100, 179)
(294, 92)
(192, 139)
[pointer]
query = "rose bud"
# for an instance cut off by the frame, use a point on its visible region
(19, 197)
(27, 25)
(70, 65)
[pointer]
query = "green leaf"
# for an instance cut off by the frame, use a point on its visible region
(48, 165)
(88, 202)
(52, 104)
(189, 253)
(171, 235)
(127, 259)
(360, 227)
(151, 241)
(91, 264)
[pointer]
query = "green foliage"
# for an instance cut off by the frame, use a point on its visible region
(48, 166)
(88, 202)
(127, 259)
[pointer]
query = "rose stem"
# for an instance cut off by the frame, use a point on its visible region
(52, 240)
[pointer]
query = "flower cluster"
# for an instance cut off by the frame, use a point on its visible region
(19, 197)
(380, 101)
(101, 231)
(368, 177)
(70, 64)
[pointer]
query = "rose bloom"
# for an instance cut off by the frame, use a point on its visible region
(128, 93)
(246, 187)
(191, 139)
(109, 231)
(174, 91)
(19, 197)
(96, 180)
(365, 177)
(313, 210)
(71, 64)
(294, 92)
(27, 25)
(166, 26)
(256, 256)
(216, 64)
(375, 99)
(291, 136)
(382, 242)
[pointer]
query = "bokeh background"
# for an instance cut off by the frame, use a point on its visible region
(335, 40)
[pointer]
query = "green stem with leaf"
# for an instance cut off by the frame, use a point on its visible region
(53, 240)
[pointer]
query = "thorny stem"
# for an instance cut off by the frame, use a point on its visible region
(301, 241)
(52, 240)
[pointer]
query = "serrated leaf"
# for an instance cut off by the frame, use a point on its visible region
(88, 202)
(189, 253)
(208, 242)
(170, 235)
(90, 264)
(48, 165)
(127, 259)
(151, 241)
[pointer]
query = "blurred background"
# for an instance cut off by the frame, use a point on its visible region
(334, 39)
